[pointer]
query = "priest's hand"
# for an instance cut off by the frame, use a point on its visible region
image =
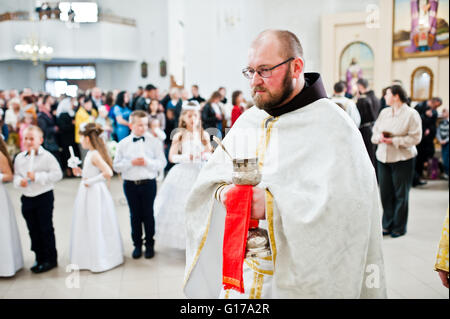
(258, 201)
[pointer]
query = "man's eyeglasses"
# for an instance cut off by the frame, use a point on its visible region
(249, 73)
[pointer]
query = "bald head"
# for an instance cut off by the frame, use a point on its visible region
(279, 55)
(288, 44)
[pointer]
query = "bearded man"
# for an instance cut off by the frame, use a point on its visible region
(318, 197)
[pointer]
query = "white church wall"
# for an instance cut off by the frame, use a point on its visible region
(152, 45)
(117, 50)
(216, 48)
(20, 74)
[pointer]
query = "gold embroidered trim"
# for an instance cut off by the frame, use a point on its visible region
(269, 216)
(266, 258)
(260, 153)
(259, 286)
(219, 190)
(255, 268)
(259, 150)
(252, 290)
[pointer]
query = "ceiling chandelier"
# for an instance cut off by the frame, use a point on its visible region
(34, 50)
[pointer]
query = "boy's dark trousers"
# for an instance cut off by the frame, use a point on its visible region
(38, 213)
(141, 196)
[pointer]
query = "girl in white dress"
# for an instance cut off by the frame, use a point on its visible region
(190, 149)
(96, 243)
(11, 259)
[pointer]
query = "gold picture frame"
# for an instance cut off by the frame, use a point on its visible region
(420, 28)
(422, 79)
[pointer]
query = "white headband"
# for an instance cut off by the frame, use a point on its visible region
(191, 106)
(83, 126)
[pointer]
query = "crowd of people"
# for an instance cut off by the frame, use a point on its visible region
(45, 138)
(147, 136)
(60, 118)
(400, 140)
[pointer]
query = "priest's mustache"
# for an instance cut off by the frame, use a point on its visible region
(258, 89)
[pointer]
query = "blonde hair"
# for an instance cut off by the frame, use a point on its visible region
(12, 102)
(35, 129)
(93, 131)
(138, 114)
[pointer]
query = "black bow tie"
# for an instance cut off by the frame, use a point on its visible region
(135, 139)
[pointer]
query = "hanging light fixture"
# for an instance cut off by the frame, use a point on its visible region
(34, 50)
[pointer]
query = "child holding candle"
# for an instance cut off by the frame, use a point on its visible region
(96, 243)
(190, 148)
(35, 173)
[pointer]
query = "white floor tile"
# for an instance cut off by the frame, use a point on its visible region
(409, 260)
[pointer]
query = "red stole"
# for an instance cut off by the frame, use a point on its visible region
(237, 222)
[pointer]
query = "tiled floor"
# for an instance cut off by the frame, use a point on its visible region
(409, 260)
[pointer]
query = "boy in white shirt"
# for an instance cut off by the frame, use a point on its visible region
(35, 172)
(139, 157)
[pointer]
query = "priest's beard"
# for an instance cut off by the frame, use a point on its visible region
(275, 98)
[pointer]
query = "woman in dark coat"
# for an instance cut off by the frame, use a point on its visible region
(65, 119)
(210, 118)
(47, 122)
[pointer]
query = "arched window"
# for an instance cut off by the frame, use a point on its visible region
(421, 84)
(357, 61)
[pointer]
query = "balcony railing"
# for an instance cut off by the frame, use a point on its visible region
(54, 15)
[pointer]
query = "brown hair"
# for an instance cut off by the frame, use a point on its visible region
(182, 124)
(109, 100)
(400, 92)
(234, 97)
(4, 151)
(93, 131)
(215, 95)
(35, 129)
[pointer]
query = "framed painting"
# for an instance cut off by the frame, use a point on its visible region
(356, 61)
(421, 28)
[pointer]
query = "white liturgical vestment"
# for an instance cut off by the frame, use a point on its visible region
(323, 211)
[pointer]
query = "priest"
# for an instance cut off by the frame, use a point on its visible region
(317, 199)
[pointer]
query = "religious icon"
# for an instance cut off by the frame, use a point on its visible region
(420, 28)
(357, 61)
(354, 72)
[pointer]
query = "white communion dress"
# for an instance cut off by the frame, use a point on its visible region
(96, 243)
(170, 201)
(11, 259)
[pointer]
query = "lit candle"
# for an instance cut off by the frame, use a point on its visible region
(72, 154)
(73, 161)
